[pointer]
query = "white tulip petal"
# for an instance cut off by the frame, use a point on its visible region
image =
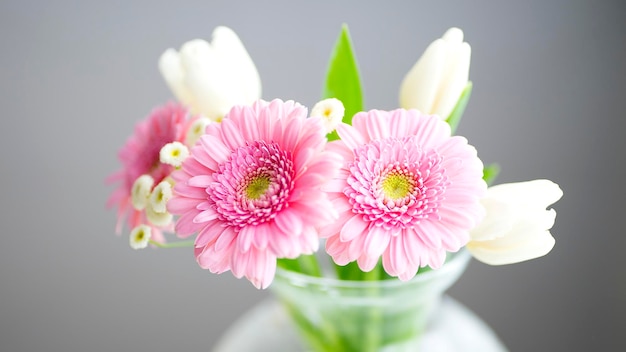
(204, 76)
(238, 63)
(196, 52)
(420, 86)
(454, 81)
(210, 78)
(453, 35)
(172, 72)
(435, 83)
(516, 227)
(490, 254)
(214, 78)
(497, 224)
(525, 230)
(543, 192)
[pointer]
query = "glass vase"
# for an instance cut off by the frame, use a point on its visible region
(365, 316)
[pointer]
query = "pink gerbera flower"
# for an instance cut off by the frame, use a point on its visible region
(140, 156)
(409, 192)
(251, 190)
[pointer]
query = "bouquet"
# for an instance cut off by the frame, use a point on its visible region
(256, 186)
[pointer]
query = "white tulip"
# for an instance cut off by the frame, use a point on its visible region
(212, 77)
(516, 227)
(436, 81)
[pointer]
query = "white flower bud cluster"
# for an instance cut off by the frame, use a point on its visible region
(152, 200)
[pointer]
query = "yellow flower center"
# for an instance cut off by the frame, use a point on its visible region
(257, 187)
(396, 186)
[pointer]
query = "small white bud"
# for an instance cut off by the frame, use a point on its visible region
(196, 130)
(141, 191)
(158, 218)
(140, 236)
(331, 111)
(160, 195)
(173, 154)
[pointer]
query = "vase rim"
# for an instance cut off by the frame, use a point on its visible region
(455, 261)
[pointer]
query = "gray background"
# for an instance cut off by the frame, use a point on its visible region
(549, 86)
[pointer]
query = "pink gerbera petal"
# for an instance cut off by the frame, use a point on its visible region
(261, 173)
(413, 192)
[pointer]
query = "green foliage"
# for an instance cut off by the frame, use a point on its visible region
(490, 172)
(304, 264)
(455, 116)
(343, 81)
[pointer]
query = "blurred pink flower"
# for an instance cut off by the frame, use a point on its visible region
(409, 192)
(251, 190)
(140, 156)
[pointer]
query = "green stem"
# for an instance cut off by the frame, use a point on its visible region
(372, 275)
(372, 324)
(304, 264)
(172, 244)
(350, 271)
(310, 265)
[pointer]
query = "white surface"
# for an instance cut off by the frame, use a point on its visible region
(266, 328)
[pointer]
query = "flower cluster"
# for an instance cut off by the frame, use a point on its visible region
(255, 183)
(149, 156)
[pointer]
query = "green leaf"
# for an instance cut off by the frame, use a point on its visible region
(350, 271)
(455, 116)
(343, 81)
(304, 264)
(490, 172)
